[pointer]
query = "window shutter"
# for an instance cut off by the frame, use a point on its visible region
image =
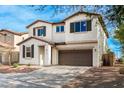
(71, 27)
(23, 50)
(89, 25)
(44, 31)
(34, 31)
(32, 51)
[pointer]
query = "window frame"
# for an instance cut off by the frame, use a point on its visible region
(42, 31)
(60, 29)
(80, 22)
(28, 51)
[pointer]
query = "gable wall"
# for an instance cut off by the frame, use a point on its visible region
(48, 30)
(18, 39)
(79, 36)
(58, 36)
(9, 38)
(34, 60)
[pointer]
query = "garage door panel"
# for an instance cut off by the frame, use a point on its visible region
(75, 57)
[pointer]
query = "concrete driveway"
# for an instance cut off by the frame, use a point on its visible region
(46, 77)
(102, 77)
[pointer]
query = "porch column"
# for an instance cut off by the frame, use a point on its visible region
(96, 62)
(54, 56)
(47, 55)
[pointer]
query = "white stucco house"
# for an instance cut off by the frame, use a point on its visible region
(9, 51)
(78, 40)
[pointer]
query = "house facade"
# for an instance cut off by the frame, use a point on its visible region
(78, 40)
(9, 51)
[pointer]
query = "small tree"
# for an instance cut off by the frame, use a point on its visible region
(119, 35)
(109, 51)
(10, 57)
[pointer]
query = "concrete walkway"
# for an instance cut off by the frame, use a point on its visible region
(46, 77)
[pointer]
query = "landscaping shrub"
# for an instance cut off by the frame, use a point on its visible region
(120, 61)
(15, 65)
(121, 70)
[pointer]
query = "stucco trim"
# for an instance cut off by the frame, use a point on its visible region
(80, 12)
(82, 42)
(36, 22)
(44, 22)
(42, 40)
(12, 32)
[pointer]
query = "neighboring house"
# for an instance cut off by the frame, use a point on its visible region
(9, 51)
(78, 40)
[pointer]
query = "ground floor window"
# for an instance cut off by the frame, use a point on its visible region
(28, 51)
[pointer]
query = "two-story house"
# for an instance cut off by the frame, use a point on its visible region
(78, 40)
(9, 51)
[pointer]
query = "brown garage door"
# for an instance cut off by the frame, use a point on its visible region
(75, 57)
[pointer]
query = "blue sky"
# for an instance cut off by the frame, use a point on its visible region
(16, 18)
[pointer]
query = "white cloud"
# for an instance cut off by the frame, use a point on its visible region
(17, 16)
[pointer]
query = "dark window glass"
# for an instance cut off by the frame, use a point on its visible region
(28, 52)
(62, 28)
(71, 27)
(57, 28)
(83, 26)
(42, 31)
(77, 27)
(80, 26)
(39, 32)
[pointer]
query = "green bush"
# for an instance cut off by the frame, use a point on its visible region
(121, 70)
(15, 65)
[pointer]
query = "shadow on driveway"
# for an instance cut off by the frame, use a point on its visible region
(104, 77)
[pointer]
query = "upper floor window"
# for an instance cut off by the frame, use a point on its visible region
(41, 31)
(59, 28)
(80, 26)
